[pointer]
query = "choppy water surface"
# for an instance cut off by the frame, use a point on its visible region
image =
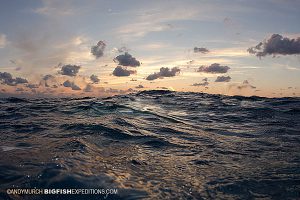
(153, 145)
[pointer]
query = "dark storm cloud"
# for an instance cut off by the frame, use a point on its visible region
(7, 79)
(200, 50)
(164, 72)
(70, 70)
(72, 85)
(94, 79)
(98, 49)
(127, 60)
(214, 68)
(120, 71)
(276, 45)
(223, 79)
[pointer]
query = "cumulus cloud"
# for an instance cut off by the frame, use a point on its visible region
(276, 45)
(120, 71)
(19, 89)
(88, 88)
(67, 83)
(7, 79)
(214, 68)
(204, 83)
(223, 79)
(163, 72)
(94, 79)
(70, 70)
(19, 80)
(200, 50)
(72, 85)
(139, 86)
(32, 86)
(75, 87)
(190, 62)
(122, 49)
(245, 85)
(48, 77)
(127, 60)
(98, 49)
(200, 84)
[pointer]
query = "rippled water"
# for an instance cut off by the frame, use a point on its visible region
(153, 145)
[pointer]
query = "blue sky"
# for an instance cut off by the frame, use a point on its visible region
(39, 37)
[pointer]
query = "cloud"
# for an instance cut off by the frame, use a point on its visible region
(127, 60)
(163, 72)
(7, 79)
(32, 86)
(223, 79)
(70, 70)
(19, 89)
(88, 88)
(120, 71)
(55, 8)
(3, 40)
(276, 45)
(19, 80)
(204, 83)
(72, 85)
(98, 49)
(48, 77)
(67, 83)
(190, 62)
(75, 87)
(200, 84)
(245, 85)
(245, 82)
(94, 79)
(200, 50)
(214, 68)
(122, 49)
(139, 86)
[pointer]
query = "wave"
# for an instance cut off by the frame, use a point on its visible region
(153, 145)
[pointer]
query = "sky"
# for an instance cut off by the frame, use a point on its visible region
(61, 48)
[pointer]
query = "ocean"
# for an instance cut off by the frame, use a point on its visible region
(152, 145)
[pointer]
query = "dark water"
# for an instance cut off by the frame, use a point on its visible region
(153, 145)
